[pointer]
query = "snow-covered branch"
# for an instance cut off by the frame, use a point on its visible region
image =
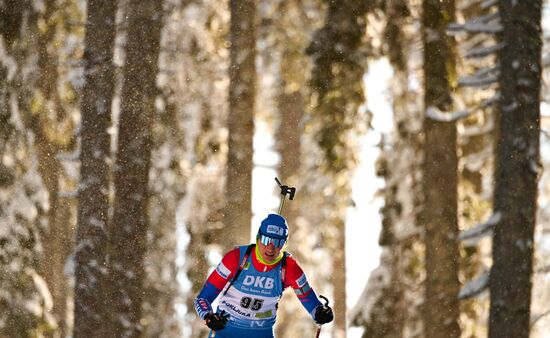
(69, 157)
(544, 269)
(489, 23)
(476, 130)
(474, 41)
(488, 3)
(490, 101)
(546, 60)
(480, 79)
(475, 287)
(68, 194)
(436, 114)
(474, 163)
(487, 71)
(7, 61)
(378, 285)
(537, 317)
(479, 52)
(481, 229)
(484, 18)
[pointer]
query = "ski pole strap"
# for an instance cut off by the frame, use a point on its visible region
(241, 267)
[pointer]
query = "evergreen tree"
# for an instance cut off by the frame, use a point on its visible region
(25, 302)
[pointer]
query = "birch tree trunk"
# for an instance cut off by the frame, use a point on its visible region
(133, 162)
(90, 298)
(516, 169)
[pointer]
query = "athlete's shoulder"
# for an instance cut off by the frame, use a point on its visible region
(292, 265)
(290, 258)
(231, 259)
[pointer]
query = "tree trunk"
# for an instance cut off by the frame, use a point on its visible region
(290, 107)
(11, 19)
(517, 168)
(337, 82)
(439, 217)
(240, 122)
(48, 122)
(162, 290)
(90, 312)
(133, 162)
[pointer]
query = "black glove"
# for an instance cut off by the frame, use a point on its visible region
(323, 314)
(216, 321)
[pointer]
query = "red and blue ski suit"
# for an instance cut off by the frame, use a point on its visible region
(252, 299)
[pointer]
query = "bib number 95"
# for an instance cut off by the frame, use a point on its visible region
(254, 304)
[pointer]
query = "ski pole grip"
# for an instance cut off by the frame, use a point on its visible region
(291, 192)
(286, 190)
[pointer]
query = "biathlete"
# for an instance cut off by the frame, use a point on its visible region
(251, 280)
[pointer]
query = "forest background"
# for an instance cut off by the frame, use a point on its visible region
(140, 138)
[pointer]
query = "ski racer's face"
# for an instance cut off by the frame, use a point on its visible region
(269, 252)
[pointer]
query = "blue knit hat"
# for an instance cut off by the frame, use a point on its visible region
(274, 226)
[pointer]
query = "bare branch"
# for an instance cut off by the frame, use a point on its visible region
(484, 18)
(475, 287)
(476, 26)
(481, 78)
(487, 71)
(544, 269)
(481, 229)
(483, 51)
(490, 101)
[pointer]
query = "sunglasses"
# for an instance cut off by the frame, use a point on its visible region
(278, 243)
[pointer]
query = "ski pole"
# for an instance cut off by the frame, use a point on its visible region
(319, 326)
(285, 189)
